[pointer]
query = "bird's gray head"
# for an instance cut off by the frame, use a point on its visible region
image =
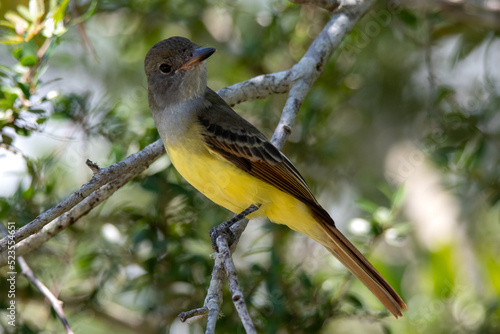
(176, 72)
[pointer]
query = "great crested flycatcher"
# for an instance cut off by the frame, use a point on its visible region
(232, 163)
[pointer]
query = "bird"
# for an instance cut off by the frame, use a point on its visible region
(233, 164)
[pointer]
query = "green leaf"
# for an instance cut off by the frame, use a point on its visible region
(386, 190)
(28, 193)
(367, 205)
(38, 111)
(29, 49)
(25, 13)
(16, 20)
(7, 139)
(17, 53)
(11, 39)
(469, 41)
(7, 24)
(5, 69)
(59, 11)
(25, 88)
(354, 300)
(23, 132)
(9, 97)
(408, 17)
(398, 196)
(28, 61)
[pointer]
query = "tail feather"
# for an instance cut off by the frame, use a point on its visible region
(357, 264)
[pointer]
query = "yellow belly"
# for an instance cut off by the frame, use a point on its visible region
(236, 190)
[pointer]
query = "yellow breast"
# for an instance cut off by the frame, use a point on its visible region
(236, 190)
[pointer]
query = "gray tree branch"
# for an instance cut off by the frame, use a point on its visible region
(234, 286)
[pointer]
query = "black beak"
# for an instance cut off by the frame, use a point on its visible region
(199, 55)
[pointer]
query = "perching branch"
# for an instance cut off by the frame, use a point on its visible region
(221, 236)
(234, 286)
(213, 301)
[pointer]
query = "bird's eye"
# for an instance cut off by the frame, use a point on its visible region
(165, 68)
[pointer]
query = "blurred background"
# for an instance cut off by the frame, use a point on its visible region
(399, 139)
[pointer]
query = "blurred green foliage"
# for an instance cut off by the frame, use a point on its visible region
(72, 80)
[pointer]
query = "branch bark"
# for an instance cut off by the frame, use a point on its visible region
(234, 286)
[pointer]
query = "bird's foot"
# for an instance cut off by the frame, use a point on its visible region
(224, 229)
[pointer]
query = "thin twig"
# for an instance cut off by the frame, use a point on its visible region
(29, 75)
(93, 166)
(258, 87)
(28, 273)
(308, 69)
(219, 237)
(213, 300)
(201, 312)
(56, 303)
(82, 32)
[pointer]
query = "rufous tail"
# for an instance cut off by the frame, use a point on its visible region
(357, 264)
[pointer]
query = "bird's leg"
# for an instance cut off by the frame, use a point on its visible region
(225, 227)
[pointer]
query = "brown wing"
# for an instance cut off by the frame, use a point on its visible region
(236, 140)
(232, 137)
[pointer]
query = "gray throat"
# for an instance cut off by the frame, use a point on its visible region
(176, 119)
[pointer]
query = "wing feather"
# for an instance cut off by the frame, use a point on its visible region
(248, 149)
